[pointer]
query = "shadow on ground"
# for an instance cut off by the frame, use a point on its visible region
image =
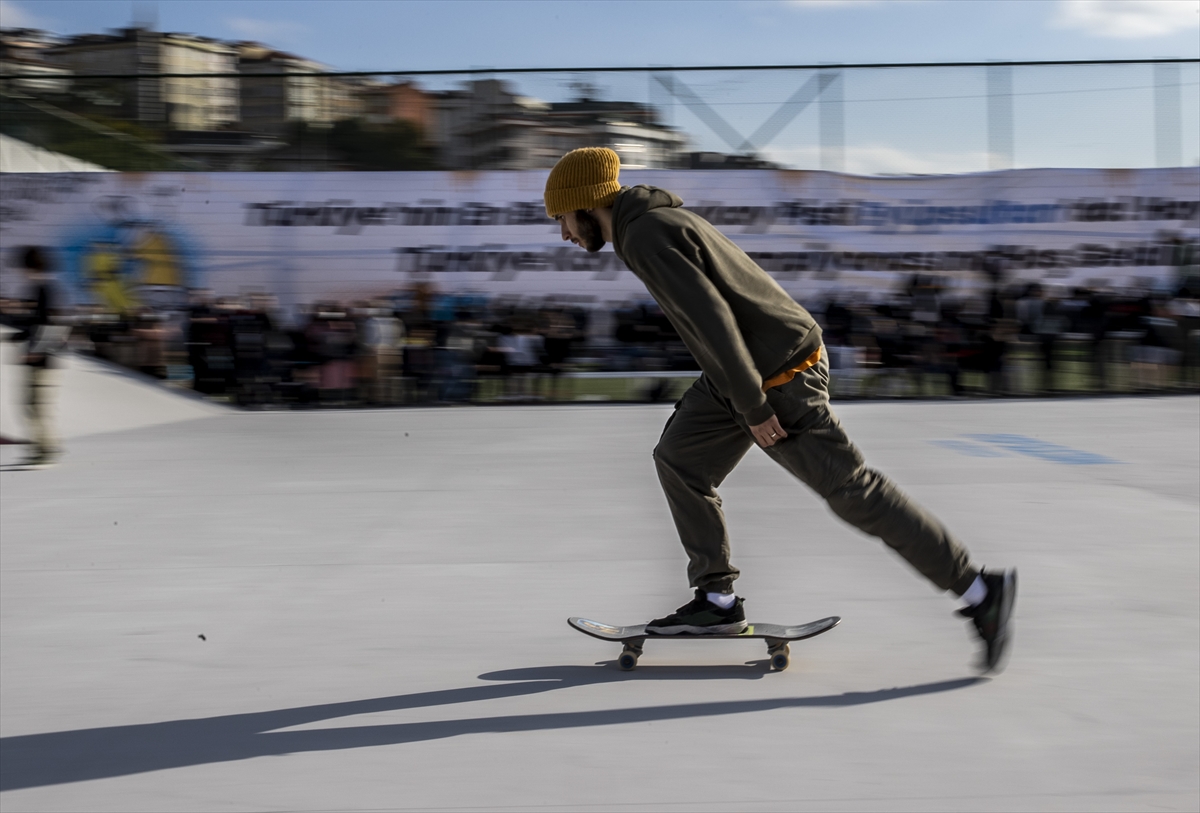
(36, 760)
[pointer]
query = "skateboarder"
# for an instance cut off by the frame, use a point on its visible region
(45, 340)
(765, 380)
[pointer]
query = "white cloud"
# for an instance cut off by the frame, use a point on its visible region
(1128, 19)
(284, 32)
(13, 16)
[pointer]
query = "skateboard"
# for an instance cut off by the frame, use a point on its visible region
(634, 638)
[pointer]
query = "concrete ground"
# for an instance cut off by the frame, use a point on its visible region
(361, 610)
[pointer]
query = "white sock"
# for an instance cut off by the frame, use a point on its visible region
(722, 600)
(975, 594)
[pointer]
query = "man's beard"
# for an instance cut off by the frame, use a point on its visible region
(589, 231)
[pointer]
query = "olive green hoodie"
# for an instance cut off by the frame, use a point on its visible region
(739, 324)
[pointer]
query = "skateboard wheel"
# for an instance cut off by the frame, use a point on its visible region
(780, 657)
(628, 660)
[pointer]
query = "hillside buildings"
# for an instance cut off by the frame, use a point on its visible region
(278, 89)
(208, 102)
(485, 125)
(240, 105)
(399, 101)
(23, 52)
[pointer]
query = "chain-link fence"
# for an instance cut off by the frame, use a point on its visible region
(860, 119)
(1062, 282)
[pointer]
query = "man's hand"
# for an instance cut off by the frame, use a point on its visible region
(768, 433)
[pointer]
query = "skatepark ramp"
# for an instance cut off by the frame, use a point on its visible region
(94, 397)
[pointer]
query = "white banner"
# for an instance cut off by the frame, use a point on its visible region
(127, 239)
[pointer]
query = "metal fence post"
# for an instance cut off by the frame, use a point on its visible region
(1168, 137)
(1000, 116)
(832, 122)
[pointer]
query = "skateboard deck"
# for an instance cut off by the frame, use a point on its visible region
(634, 637)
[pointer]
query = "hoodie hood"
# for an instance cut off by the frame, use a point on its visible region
(634, 201)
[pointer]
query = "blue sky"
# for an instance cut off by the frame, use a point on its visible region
(382, 35)
(1065, 118)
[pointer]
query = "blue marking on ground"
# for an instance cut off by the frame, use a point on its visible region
(968, 448)
(1033, 447)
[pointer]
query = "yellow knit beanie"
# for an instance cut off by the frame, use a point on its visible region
(583, 179)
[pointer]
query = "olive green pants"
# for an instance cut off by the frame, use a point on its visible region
(706, 437)
(39, 401)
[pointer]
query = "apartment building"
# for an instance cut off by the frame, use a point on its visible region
(23, 52)
(278, 88)
(399, 101)
(631, 129)
(485, 125)
(180, 103)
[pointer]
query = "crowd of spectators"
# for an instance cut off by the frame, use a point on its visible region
(1016, 339)
(424, 347)
(417, 347)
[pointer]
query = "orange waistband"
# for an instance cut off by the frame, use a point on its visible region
(788, 375)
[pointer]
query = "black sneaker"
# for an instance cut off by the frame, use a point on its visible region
(991, 616)
(700, 617)
(41, 460)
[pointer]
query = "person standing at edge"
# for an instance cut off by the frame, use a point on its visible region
(46, 340)
(765, 380)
